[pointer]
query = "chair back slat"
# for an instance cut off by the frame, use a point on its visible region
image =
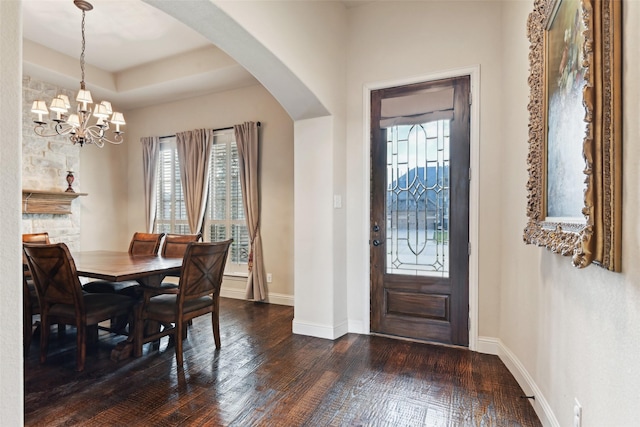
(54, 274)
(39, 238)
(42, 238)
(202, 269)
(175, 245)
(145, 243)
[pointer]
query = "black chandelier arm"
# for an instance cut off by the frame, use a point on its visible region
(91, 135)
(97, 133)
(58, 130)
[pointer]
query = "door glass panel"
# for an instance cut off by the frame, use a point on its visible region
(417, 199)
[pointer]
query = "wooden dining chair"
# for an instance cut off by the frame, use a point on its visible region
(30, 305)
(62, 300)
(145, 243)
(198, 293)
(175, 245)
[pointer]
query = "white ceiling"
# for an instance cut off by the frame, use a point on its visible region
(120, 34)
(123, 39)
(133, 52)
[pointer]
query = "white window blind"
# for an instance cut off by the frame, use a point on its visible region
(171, 214)
(224, 215)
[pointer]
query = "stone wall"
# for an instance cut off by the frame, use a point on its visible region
(45, 162)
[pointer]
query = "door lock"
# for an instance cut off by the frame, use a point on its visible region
(376, 242)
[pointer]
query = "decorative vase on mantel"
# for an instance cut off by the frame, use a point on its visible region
(70, 179)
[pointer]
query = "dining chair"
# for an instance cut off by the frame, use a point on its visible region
(198, 293)
(175, 245)
(141, 244)
(62, 300)
(30, 305)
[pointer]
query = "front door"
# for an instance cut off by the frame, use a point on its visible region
(419, 231)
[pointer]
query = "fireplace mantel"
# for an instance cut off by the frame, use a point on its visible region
(48, 202)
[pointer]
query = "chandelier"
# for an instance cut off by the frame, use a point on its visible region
(77, 125)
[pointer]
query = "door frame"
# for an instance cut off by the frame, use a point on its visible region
(474, 189)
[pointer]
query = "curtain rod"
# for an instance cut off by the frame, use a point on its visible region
(215, 130)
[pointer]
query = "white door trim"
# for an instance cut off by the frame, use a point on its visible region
(474, 73)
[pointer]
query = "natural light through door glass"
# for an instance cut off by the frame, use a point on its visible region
(417, 199)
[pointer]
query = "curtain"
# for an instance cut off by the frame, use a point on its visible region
(248, 155)
(194, 153)
(150, 152)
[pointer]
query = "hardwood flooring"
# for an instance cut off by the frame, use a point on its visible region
(265, 376)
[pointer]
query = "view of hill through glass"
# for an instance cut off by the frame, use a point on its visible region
(417, 199)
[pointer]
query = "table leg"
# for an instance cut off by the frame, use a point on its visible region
(123, 349)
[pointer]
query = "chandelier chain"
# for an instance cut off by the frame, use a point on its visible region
(82, 86)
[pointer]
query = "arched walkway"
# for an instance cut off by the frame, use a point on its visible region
(212, 22)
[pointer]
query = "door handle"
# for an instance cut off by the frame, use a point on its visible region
(376, 242)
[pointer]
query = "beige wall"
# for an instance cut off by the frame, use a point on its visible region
(104, 210)
(221, 110)
(11, 383)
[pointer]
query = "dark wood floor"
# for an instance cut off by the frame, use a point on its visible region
(266, 376)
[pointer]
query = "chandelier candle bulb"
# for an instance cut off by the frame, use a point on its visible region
(77, 125)
(84, 96)
(39, 108)
(59, 107)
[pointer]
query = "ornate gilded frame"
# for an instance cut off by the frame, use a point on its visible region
(597, 239)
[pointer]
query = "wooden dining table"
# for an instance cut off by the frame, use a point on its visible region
(148, 270)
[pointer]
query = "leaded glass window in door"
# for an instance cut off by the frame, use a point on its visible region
(417, 199)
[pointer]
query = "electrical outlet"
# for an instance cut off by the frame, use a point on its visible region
(337, 201)
(269, 278)
(577, 414)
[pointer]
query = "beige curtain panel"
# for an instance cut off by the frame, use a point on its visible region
(248, 156)
(150, 153)
(194, 154)
(415, 109)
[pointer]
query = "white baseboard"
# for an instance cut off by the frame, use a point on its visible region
(272, 298)
(320, 331)
(495, 346)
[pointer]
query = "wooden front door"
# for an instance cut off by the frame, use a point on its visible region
(419, 235)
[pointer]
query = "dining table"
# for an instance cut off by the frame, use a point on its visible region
(114, 266)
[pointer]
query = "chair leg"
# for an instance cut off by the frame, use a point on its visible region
(27, 330)
(44, 336)
(92, 335)
(81, 342)
(215, 322)
(178, 341)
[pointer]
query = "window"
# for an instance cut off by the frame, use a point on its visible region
(224, 215)
(171, 214)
